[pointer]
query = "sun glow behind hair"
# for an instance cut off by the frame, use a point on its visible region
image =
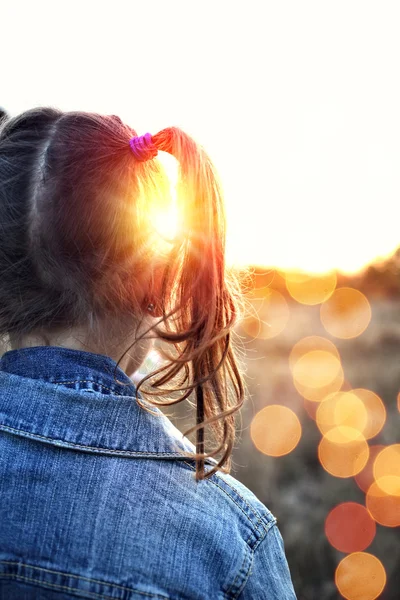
(295, 103)
(165, 219)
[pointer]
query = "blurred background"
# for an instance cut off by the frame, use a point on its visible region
(297, 105)
(319, 434)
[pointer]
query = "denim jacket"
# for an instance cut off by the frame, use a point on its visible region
(97, 502)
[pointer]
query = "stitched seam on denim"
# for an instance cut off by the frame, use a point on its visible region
(239, 574)
(257, 514)
(244, 581)
(133, 452)
(91, 381)
(65, 587)
(258, 542)
(256, 525)
(244, 574)
(252, 560)
(267, 528)
(15, 562)
(246, 577)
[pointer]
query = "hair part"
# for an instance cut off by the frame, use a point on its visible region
(78, 247)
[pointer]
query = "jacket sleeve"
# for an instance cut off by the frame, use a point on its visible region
(269, 577)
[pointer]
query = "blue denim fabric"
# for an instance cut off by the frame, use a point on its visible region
(96, 500)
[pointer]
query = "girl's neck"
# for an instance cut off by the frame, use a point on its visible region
(77, 339)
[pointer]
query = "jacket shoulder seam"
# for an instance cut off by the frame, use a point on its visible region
(266, 524)
(247, 574)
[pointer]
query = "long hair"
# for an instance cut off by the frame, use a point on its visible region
(77, 242)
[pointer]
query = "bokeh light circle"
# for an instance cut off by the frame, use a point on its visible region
(316, 369)
(360, 576)
(311, 289)
(301, 352)
(275, 430)
(318, 394)
(309, 344)
(343, 451)
(365, 478)
(342, 409)
(311, 406)
(386, 469)
(359, 408)
(376, 411)
(349, 527)
(267, 316)
(384, 508)
(346, 314)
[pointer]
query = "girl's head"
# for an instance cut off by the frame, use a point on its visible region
(79, 252)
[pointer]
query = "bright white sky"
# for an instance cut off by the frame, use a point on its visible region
(297, 103)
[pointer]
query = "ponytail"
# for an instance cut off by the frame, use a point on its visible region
(204, 301)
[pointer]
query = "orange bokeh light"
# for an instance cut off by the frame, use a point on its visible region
(343, 451)
(386, 469)
(316, 369)
(349, 527)
(275, 430)
(317, 374)
(376, 411)
(309, 344)
(342, 409)
(384, 508)
(360, 409)
(256, 284)
(310, 289)
(360, 576)
(267, 316)
(346, 314)
(365, 478)
(318, 394)
(312, 406)
(302, 349)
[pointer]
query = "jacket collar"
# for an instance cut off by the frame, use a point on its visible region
(69, 398)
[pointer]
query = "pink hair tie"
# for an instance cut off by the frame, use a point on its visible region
(143, 147)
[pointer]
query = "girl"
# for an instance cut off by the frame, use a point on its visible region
(101, 497)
